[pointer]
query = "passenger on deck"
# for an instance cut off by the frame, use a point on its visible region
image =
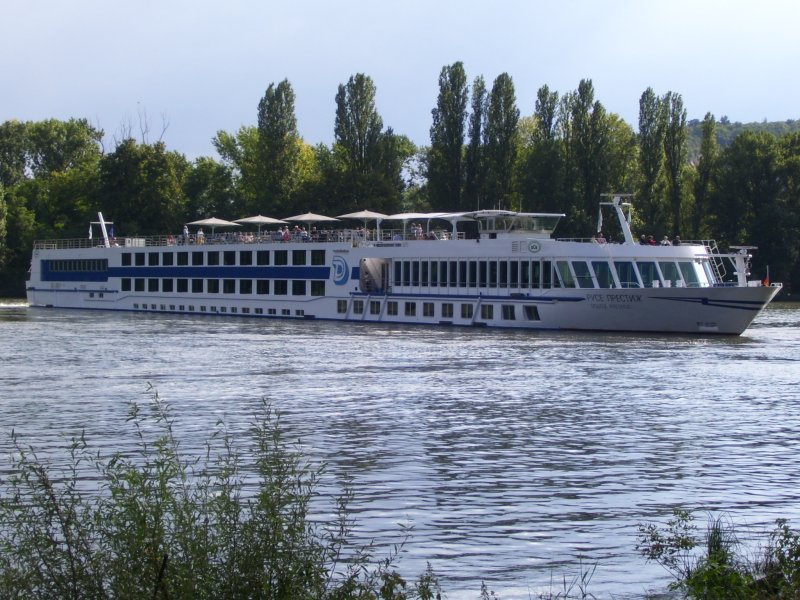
(676, 241)
(665, 241)
(599, 239)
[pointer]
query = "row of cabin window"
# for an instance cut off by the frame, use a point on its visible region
(540, 274)
(446, 309)
(224, 257)
(280, 287)
(93, 265)
(245, 310)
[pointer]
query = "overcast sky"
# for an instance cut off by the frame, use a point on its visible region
(201, 66)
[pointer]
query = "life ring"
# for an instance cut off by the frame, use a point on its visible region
(170, 240)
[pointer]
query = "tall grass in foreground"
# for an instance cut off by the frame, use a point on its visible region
(162, 525)
(713, 565)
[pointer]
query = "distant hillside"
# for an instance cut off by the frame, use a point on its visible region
(727, 132)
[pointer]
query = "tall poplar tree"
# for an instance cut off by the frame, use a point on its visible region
(475, 184)
(587, 152)
(445, 162)
(501, 141)
(674, 115)
(278, 149)
(706, 171)
(358, 125)
(651, 159)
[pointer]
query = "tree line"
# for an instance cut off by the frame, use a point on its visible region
(483, 153)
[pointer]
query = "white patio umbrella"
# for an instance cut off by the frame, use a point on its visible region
(310, 217)
(366, 215)
(259, 220)
(214, 222)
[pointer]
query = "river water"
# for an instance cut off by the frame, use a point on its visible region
(518, 458)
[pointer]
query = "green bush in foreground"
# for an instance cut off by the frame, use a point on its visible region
(236, 525)
(713, 567)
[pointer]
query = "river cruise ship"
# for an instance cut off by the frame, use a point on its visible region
(487, 268)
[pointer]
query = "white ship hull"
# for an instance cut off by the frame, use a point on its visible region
(515, 281)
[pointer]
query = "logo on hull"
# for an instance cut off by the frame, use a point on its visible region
(340, 271)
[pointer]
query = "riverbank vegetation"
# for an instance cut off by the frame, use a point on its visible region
(557, 152)
(244, 521)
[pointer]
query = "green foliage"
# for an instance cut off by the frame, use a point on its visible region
(715, 567)
(501, 142)
(475, 167)
(142, 188)
(237, 524)
(445, 157)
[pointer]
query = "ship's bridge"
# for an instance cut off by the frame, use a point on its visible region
(504, 223)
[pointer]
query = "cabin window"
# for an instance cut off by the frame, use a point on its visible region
(391, 308)
(280, 287)
(197, 286)
(183, 259)
(689, 274)
(466, 311)
(427, 309)
(262, 286)
(212, 287)
(411, 309)
(482, 269)
(447, 310)
(487, 311)
(317, 288)
(502, 273)
(183, 286)
(262, 257)
(670, 272)
(167, 259)
(374, 307)
(547, 274)
(434, 273)
(509, 314)
(246, 257)
(423, 273)
(298, 287)
(443, 273)
(582, 274)
(166, 285)
(281, 257)
(341, 306)
(228, 286)
(246, 286)
(415, 272)
(602, 270)
(626, 274)
(213, 258)
(152, 259)
(126, 259)
(406, 273)
(126, 285)
(139, 259)
(531, 312)
(649, 274)
(138, 284)
(473, 274)
(229, 257)
(513, 274)
(197, 259)
(564, 274)
(358, 306)
(298, 257)
(453, 273)
(318, 257)
(259, 311)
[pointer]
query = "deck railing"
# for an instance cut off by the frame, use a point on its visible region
(354, 236)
